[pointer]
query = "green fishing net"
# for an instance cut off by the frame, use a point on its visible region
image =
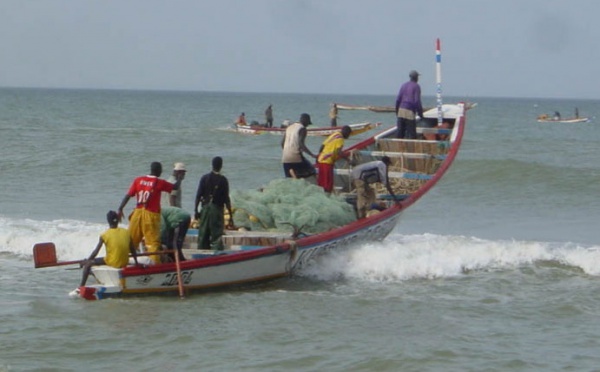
(287, 203)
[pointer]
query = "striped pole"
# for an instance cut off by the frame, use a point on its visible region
(438, 79)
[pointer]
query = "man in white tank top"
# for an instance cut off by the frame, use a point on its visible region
(294, 163)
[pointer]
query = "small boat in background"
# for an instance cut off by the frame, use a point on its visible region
(342, 106)
(556, 118)
(547, 119)
(357, 128)
(566, 120)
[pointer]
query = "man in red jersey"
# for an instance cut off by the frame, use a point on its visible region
(144, 222)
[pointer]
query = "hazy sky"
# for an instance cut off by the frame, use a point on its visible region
(507, 48)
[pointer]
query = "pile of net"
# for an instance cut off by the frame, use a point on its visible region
(285, 204)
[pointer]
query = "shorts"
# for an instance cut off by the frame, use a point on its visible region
(303, 169)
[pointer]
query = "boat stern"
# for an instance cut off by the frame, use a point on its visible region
(109, 284)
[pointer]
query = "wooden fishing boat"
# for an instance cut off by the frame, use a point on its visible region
(357, 128)
(254, 256)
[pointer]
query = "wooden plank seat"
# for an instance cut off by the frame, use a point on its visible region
(352, 196)
(241, 239)
(236, 240)
(434, 130)
(392, 174)
(406, 155)
(401, 145)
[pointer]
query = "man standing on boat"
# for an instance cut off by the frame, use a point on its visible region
(269, 116)
(408, 105)
(175, 195)
(333, 114)
(329, 153)
(213, 193)
(366, 174)
(294, 163)
(144, 222)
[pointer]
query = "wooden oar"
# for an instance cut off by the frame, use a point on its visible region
(179, 280)
(44, 255)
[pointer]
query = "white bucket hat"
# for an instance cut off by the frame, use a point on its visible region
(179, 167)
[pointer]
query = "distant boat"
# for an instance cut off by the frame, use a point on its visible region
(310, 131)
(342, 106)
(550, 119)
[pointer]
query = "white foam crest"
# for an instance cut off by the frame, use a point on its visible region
(73, 239)
(429, 256)
(585, 258)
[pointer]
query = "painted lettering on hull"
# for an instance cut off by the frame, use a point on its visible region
(171, 278)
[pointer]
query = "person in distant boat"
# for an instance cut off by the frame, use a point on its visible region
(556, 115)
(144, 222)
(269, 116)
(213, 195)
(333, 114)
(366, 174)
(408, 105)
(295, 164)
(118, 246)
(241, 120)
(174, 198)
(329, 153)
(576, 113)
(174, 225)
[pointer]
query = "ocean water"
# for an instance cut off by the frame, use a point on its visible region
(497, 268)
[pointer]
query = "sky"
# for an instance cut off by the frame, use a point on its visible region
(490, 48)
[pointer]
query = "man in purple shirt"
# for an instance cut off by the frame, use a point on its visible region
(408, 104)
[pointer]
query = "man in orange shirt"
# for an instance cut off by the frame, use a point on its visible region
(144, 222)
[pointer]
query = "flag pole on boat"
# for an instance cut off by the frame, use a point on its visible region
(438, 79)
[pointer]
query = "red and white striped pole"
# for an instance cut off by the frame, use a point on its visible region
(438, 79)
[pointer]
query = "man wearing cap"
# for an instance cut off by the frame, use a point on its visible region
(408, 105)
(175, 195)
(365, 175)
(294, 163)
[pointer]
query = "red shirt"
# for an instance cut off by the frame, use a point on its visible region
(147, 189)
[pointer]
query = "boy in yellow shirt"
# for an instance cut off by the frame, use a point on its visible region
(118, 246)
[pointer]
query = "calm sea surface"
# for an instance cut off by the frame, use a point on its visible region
(496, 269)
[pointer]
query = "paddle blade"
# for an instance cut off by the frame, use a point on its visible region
(44, 255)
